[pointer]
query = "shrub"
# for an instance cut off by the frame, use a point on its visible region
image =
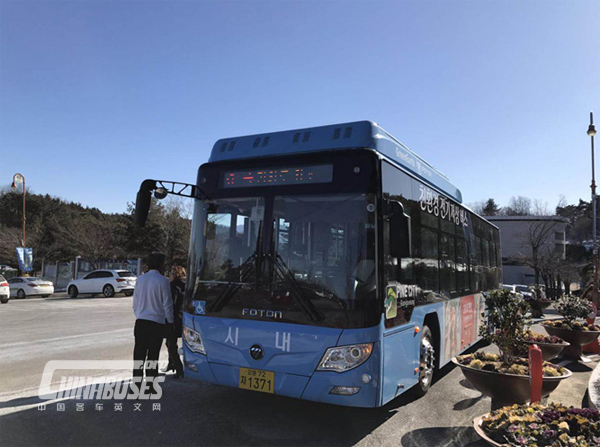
(507, 315)
(572, 307)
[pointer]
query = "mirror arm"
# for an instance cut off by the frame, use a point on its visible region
(176, 188)
(144, 195)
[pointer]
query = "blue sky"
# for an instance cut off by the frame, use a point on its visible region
(96, 96)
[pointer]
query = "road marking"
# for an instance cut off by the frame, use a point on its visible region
(49, 340)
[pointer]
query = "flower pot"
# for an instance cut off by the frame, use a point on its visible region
(477, 426)
(507, 389)
(513, 426)
(576, 338)
(537, 307)
(549, 350)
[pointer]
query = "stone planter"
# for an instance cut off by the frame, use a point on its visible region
(507, 389)
(549, 350)
(537, 307)
(481, 433)
(577, 339)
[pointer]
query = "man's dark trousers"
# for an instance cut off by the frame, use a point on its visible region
(148, 341)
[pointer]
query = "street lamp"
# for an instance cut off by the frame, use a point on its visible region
(20, 178)
(592, 132)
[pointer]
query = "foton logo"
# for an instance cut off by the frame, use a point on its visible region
(263, 313)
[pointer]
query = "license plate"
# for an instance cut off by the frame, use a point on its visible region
(257, 380)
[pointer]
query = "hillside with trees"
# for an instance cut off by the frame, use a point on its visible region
(58, 230)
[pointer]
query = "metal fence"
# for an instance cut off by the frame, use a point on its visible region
(60, 273)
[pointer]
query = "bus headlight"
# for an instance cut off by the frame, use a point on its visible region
(344, 358)
(193, 340)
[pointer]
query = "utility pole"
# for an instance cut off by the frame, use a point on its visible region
(592, 132)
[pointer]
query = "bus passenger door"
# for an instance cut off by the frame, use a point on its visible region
(400, 349)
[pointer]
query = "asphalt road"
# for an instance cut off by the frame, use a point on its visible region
(34, 331)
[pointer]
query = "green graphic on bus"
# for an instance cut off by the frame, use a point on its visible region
(391, 302)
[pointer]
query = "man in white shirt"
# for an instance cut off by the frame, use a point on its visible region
(153, 309)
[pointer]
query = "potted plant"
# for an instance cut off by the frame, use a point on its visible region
(571, 327)
(505, 377)
(540, 425)
(538, 302)
(550, 345)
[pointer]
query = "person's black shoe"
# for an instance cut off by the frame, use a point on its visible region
(179, 374)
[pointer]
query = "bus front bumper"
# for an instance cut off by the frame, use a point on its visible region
(321, 386)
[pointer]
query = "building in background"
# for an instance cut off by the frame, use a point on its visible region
(527, 241)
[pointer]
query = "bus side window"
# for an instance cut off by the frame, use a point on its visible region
(462, 275)
(447, 266)
(400, 231)
(427, 267)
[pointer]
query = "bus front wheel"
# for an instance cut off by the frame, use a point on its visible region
(426, 362)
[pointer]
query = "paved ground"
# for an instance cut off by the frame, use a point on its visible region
(35, 331)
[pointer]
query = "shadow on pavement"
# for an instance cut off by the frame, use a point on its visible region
(436, 437)
(88, 297)
(467, 403)
(193, 413)
(466, 384)
(21, 402)
(196, 413)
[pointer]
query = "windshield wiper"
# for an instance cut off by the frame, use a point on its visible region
(247, 268)
(287, 275)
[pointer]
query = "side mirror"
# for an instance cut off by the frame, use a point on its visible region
(400, 234)
(142, 202)
(144, 196)
(160, 193)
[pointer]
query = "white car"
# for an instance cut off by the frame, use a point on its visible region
(4, 290)
(106, 282)
(519, 288)
(524, 290)
(24, 286)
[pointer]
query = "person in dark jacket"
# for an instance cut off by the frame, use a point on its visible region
(177, 279)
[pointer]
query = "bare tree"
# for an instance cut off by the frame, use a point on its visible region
(176, 227)
(562, 202)
(518, 206)
(549, 263)
(93, 239)
(539, 208)
(9, 239)
(569, 273)
(538, 238)
(478, 207)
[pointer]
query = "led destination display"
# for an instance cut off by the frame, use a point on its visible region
(280, 176)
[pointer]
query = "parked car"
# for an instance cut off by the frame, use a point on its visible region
(24, 286)
(106, 282)
(8, 272)
(524, 290)
(519, 288)
(4, 290)
(510, 287)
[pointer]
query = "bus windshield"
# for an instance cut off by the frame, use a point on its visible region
(296, 258)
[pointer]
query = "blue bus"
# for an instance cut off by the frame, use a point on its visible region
(330, 264)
